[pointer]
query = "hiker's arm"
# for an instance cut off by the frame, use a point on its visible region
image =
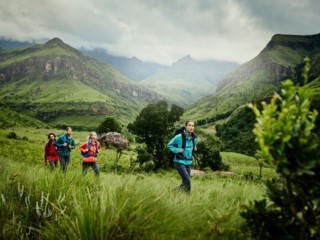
(84, 147)
(195, 144)
(58, 143)
(174, 144)
(73, 145)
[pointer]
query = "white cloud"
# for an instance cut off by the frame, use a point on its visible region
(161, 31)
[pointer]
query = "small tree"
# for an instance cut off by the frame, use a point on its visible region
(284, 133)
(110, 124)
(152, 127)
(209, 156)
(114, 140)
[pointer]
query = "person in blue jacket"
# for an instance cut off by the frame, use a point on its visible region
(183, 145)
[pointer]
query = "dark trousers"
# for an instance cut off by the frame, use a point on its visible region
(184, 172)
(86, 165)
(53, 164)
(64, 162)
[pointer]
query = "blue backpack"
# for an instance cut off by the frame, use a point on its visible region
(86, 154)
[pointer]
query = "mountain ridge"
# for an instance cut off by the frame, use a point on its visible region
(260, 77)
(27, 75)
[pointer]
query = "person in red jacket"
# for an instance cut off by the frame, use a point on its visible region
(89, 151)
(51, 152)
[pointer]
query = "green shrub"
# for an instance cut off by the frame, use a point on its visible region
(12, 135)
(284, 133)
(209, 156)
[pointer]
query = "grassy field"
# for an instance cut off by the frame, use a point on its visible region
(130, 204)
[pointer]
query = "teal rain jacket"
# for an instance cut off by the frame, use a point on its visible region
(176, 143)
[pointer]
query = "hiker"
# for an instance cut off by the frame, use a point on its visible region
(89, 151)
(65, 143)
(183, 145)
(51, 152)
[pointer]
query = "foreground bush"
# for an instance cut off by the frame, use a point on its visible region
(286, 141)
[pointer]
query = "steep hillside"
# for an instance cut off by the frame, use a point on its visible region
(236, 134)
(59, 85)
(187, 80)
(282, 58)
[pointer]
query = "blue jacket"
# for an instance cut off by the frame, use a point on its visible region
(176, 143)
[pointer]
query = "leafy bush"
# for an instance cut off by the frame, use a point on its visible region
(209, 156)
(236, 134)
(284, 133)
(110, 124)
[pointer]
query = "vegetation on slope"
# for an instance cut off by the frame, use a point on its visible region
(260, 77)
(57, 84)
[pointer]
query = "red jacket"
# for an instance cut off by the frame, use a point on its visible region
(92, 152)
(50, 152)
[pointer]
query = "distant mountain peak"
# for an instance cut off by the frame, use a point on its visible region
(185, 59)
(54, 42)
(57, 42)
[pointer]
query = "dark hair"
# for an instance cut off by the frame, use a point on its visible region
(51, 134)
(188, 122)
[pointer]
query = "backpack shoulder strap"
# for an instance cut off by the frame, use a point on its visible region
(64, 138)
(183, 140)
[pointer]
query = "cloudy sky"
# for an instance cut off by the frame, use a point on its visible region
(161, 31)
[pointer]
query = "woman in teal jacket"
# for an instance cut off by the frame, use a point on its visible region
(183, 145)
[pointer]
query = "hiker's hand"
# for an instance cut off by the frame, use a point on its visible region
(181, 150)
(70, 146)
(195, 148)
(65, 144)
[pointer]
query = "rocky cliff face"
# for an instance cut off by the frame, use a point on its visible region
(66, 67)
(279, 73)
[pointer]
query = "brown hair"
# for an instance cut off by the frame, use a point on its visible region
(188, 122)
(51, 134)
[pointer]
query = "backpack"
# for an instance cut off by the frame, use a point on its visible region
(61, 148)
(184, 140)
(86, 154)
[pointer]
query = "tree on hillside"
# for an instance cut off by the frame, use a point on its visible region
(208, 155)
(110, 124)
(287, 141)
(152, 127)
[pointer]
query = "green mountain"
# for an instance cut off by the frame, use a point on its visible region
(187, 80)
(282, 58)
(57, 84)
(255, 81)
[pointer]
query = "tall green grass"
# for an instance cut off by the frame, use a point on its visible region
(53, 205)
(38, 203)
